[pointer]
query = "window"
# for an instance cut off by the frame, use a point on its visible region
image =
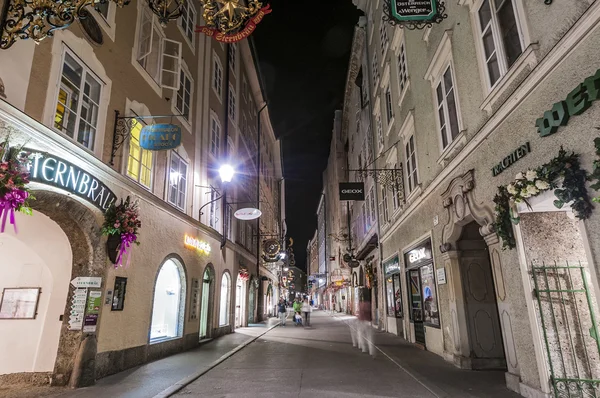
(402, 69)
(446, 104)
(383, 37)
(231, 109)
(187, 21)
(177, 181)
(169, 302)
(157, 55)
(224, 304)
(411, 164)
(389, 113)
(365, 219)
(370, 143)
(102, 9)
(430, 308)
(217, 78)
(379, 132)
(139, 162)
(78, 102)
(397, 196)
(215, 136)
(383, 206)
(372, 205)
(394, 295)
(228, 222)
(232, 55)
(184, 95)
(213, 220)
(375, 71)
(500, 37)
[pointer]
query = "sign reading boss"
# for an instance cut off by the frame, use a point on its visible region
(352, 191)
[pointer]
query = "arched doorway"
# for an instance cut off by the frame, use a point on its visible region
(269, 299)
(240, 302)
(224, 303)
(252, 299)
(207, 294)
(39, 258)
(168, 305)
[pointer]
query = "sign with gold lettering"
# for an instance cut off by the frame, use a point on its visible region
(242, 34)
(159, 137)
(193, 243)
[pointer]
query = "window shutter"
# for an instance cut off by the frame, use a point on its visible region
(171, 64)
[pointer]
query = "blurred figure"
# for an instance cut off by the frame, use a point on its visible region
(306, 310)
(362, 331)
(297, 312)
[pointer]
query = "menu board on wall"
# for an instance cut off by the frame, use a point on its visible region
(19, 303)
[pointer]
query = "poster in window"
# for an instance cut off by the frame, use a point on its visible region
(119, 296)
(19, 303)
(415, 296)
(397, 295)
(389, 287)
(430, 307)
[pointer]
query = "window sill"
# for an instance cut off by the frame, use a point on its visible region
(414, 194)
(403, 93)
(452, 149)
(217, 94)
(526, 59)
(389, 127)
(138, 183)
(163, 339)
(80, 145)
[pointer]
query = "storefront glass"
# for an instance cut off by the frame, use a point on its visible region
(167, 303)
(224, 303)
(430, 307)
(393, 287)
(422, 285)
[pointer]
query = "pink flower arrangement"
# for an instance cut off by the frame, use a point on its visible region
(123, 220)
(14, 194)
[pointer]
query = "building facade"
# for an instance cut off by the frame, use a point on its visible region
(461, 108)
(80, 106)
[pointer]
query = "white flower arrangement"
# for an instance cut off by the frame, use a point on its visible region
(526, 185)
(531, 175)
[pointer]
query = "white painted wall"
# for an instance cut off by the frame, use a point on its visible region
(31, 345)
(15, 69)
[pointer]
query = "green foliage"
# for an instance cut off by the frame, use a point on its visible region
(122, 219)
(595, 176)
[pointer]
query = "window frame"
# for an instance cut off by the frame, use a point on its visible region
(151, 169)
(233, 51)
(402, 66)
(389, 106)
(217, 63)
(96, 144)
(108, 22)
(232, 104)
(375, 70)
(191, 41)
(187, 122)
(440, 81)
(384, 39)
(225, 304)
(408, 164)
(216, 144)
(181, 161)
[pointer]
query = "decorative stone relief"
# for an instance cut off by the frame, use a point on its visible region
(511, 353)
(460, 203)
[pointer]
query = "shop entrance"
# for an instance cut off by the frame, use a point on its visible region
(564, 298)
(207, 293)
(481, 308)
(240, 301)
(416, 305)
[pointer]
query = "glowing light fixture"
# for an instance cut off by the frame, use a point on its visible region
(226, 173)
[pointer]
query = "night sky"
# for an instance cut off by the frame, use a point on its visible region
(303, 48)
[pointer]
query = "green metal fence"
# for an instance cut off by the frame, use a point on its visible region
(567, 312)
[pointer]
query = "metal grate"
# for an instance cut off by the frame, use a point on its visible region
(567, 313)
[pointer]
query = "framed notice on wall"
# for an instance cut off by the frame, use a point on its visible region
(19, 303)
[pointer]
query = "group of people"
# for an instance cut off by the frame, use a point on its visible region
(300, 308)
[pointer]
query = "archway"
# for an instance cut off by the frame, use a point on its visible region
(252, 299)
(168, 306)
(240, 302)
(207, 299)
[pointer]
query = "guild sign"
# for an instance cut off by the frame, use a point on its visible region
(271, 248)
(414, 14)
(229, 21)
(158, 137)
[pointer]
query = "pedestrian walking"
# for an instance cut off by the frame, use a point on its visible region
(297, 312)
(282, 309)
(306, 310)
(361, 329)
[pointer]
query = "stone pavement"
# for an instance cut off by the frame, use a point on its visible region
(150, 379)
(320, 362)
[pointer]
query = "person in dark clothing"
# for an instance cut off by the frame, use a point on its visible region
(282, 309)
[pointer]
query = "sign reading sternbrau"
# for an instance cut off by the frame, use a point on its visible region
(413, 10)
(52, 170)
(352, 191)
(242, 34)
(158, 137)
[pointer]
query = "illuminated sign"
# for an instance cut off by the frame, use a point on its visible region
(158, 137)
(391, 266)
(417, 255)
(193, 243)
(52, 170)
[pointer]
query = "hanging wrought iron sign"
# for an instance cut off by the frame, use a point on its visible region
(158, 137)
(414, 14)
(229, 21)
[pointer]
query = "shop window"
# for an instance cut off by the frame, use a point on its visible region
(224, 303)
(139, 162)
(169, 302)
(78, 102)
(431, 314)
(394, 295)
(177, 181)
(500, 37)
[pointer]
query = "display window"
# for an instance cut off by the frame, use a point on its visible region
(422, 290)
(169, 302)
(394, 296)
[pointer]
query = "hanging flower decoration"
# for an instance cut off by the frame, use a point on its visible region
(14, 177)
(123, 220)
(370, 275)
(533, 182)
(244, 275)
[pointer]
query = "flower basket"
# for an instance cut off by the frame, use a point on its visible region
(14, 177)
(121, 224)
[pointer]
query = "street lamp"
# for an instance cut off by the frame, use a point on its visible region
(226, 173)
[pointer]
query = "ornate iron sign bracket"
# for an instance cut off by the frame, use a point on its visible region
(412, 16)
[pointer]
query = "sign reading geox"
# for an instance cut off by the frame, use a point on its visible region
(352, 191)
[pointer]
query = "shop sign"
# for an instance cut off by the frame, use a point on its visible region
(52, 170)
(414, 10)
(337, 278)
(577, 102)
(193, 243)
(516, 155)
(441, 276)
(77, 309)
(93, 308)
(352, 191)
(391, 266)
(247, 214)
(158, 137)
(87, 281)
(419, 255)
